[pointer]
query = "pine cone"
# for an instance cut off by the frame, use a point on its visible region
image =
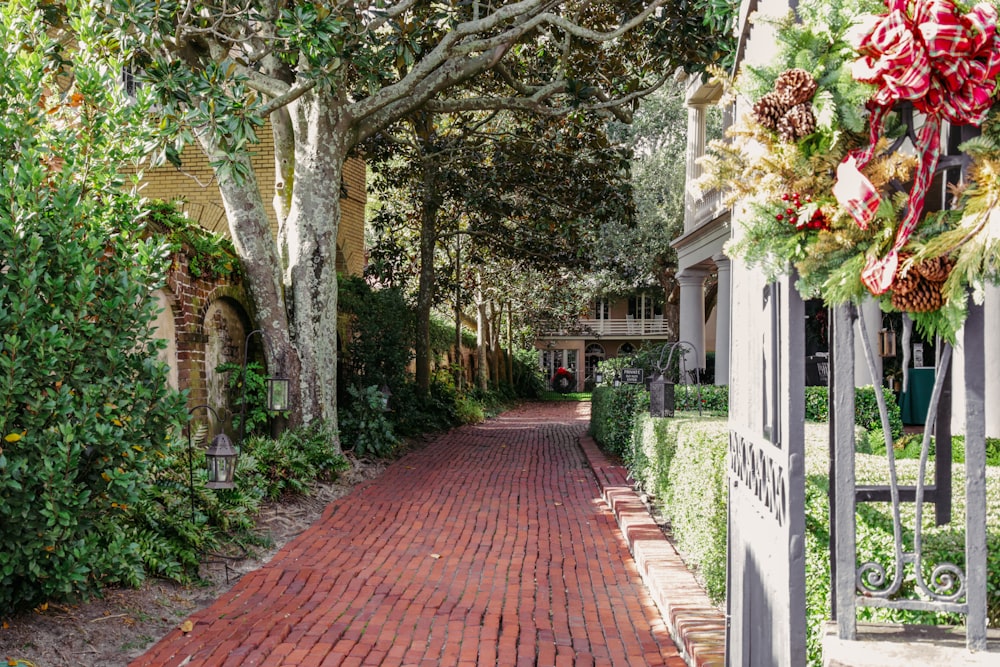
(795, 86)
(797, 122)
(904, 283)
(923, 298)
(936, 269)
(768, 110)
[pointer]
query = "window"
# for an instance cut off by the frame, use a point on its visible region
(593, 355)
(645, 306)
(599, 309)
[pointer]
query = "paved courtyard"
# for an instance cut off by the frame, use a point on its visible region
(490, 545)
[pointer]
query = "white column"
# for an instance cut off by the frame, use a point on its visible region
(692, 324)
(873, 322)
(723, 318)
(695, 151)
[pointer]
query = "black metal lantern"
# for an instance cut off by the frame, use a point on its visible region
(598, 377)
(277, 394)
(661, 397)
(386, 395)
(221, 459)
(886, 343)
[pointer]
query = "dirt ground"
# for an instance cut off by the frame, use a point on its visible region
(111, 631)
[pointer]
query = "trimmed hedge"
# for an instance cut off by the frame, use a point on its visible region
(681, 463)
(612, 410)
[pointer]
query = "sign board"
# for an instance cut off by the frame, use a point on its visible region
(766, 555)
(632, 376)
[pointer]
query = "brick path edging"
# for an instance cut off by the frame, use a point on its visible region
(697, 627)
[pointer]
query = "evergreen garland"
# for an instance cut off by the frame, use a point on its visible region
(782, 185)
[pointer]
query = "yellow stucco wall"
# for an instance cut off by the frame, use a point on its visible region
(194, 184)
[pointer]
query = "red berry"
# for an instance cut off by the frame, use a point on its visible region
(779, 217)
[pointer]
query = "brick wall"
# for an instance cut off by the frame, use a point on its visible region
(194, 184)
(189, 299)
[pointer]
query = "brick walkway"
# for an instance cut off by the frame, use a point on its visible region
(489, 546)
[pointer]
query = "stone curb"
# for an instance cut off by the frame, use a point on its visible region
(697, 627)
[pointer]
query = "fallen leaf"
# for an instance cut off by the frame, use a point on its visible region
(435, 555)
(186, 626)
(12, 437)
(557, 503)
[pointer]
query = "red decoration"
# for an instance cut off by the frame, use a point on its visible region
(944, 62)
(562, 381)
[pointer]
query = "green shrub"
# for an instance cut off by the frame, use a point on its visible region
(528, 380)
(256, 395)
(290, 463)
(612, 413)
(469, 410)
(654, 443)
(84, 407)
(866, 412)
(695, 500)
(376, 329)
(364, 426)
(714, 398)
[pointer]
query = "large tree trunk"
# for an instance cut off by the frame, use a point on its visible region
(255, 245)
(482, 351)
(430, 204)
(425, 288)
(459, 376)
(312, 224)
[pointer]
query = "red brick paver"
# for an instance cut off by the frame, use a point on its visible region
(491, 545)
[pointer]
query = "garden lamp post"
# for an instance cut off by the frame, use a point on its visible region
(221, 459)
(207, 408)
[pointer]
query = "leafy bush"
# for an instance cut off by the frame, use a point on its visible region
(695, 500)
(85, 405)
(255, 394)
(866, 412)
(377, 332)
(714, 398)
(364, 427)
(290, 463)
(528, 381)
(469, 411)
(681, 463)
(612, 413)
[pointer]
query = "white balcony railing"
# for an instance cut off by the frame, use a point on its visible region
(616, 328)
(709, 207)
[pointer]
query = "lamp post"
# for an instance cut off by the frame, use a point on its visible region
(221, 459)
(277, 387)
(217, 449)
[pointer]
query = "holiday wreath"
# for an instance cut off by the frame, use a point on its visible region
(817, 170)
(563, 381)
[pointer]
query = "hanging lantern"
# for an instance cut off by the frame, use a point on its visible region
(221, 458)
(886, 343)
(661, 397)
(277, 394)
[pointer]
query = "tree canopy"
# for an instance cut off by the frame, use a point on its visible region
(329, 76)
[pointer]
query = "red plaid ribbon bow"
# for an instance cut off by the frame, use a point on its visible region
(946, 63)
